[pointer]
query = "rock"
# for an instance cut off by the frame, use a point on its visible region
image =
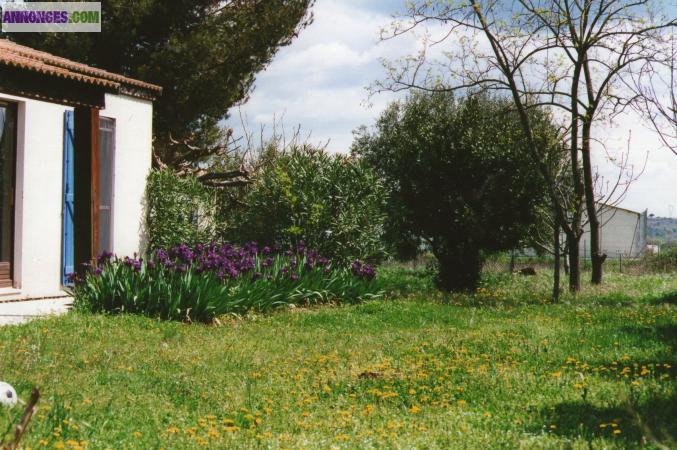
(527, 271)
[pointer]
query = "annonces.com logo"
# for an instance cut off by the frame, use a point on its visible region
(50, 17)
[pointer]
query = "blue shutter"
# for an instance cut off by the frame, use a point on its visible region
(67, 243)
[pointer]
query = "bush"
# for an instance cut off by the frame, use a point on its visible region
(665, 261)
(180, 209)
(334, 203)
(205, 281)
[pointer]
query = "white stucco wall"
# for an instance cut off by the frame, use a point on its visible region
(39, 186)
(38, 197)
(133, 159)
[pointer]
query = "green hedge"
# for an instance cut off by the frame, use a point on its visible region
(331, 202)
(180, 210)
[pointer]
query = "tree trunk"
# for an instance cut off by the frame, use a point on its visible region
(595, 249)
(574, 264)
(459, 271)
(596, 256)
(556, 270)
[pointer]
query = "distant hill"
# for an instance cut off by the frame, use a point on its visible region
(662, 229)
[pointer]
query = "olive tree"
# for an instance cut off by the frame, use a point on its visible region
(460, 176)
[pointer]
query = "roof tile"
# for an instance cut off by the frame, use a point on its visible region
(16, 55)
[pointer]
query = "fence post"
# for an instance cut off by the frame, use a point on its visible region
(620, 262)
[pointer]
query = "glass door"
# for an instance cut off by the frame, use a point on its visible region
(7, 163)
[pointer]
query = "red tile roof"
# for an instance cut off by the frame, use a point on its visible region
(12, 54)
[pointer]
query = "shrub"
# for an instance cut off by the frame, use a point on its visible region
(180, 209)
(665, 261)
(202, 282)
(334, 203)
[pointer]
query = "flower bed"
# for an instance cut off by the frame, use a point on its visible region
(201, 282)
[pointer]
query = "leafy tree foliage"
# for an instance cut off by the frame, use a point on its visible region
(460, 177)
(333, 203)
(205, 53)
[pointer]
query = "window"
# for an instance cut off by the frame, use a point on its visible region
(7, 162)
(106, 180)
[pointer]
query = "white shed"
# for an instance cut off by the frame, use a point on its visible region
(622, 232)
(75, 151)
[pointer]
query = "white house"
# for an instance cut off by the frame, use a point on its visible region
(75, 151)
(623, 233)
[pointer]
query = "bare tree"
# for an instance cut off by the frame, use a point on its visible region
(573, 56)
(656, 86)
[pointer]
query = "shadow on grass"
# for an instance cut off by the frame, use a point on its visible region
(665, 333)
(669, 298)
(646, 421)
(615, 299)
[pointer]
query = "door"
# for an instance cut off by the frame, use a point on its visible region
(67, 242)
(106, 179)
(7, 178)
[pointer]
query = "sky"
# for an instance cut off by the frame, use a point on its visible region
(320, 83)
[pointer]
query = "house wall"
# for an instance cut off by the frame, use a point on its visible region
(623, 232)
(39, 186)
(133, 159)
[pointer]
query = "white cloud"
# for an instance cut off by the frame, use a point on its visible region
(320, 81)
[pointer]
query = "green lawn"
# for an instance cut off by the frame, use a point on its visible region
(500, 369)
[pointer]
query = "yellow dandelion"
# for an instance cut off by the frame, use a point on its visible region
(415, 409)
(137, 434)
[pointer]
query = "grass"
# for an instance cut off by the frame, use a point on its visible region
(499, 369)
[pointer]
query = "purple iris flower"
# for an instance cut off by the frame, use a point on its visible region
(104, 257)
